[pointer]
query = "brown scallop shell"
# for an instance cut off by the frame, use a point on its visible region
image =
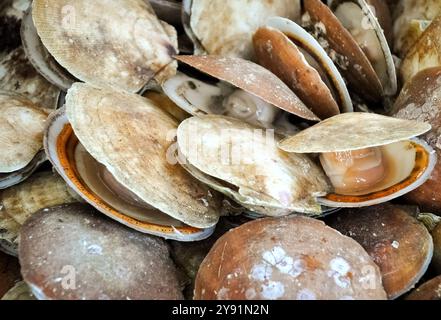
(436, 261)
(72, 253)
(252, 78)
(400, 245)
(420, 100)
(276, 52)
(353, 62)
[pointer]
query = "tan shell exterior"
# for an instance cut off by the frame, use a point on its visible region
(251, 164)
(353, 131)
(225, 27)
(19, 76)
(294, 258)
(400, 245)
(425, 53)
(436, 261)
(138, 156)
(20, 291)
(344, 50)
(420, 100)
(252, 78)
(117, 43)
(21, 131)
(110, 261)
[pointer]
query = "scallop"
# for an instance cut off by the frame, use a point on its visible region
(136, 181)
(368, 158)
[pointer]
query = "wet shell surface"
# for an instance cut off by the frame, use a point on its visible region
(94, 47)
(436, 261)
(294, 258)
(94, 258)
(19, 76)
(254, 171)
(420, 100)
(22, 125)
(425, 53)
(239, 20)
(400, 245)
(253, 79)
(430, 290)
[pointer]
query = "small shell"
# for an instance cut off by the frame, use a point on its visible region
(20, 291)
(225, 27)
(237, 159)
(293, 258)
(123, 51)
(21, 125)
(398, 244)
(430, 290)
(19, 76)
(425, 53)
(72, 252)
(252, 78)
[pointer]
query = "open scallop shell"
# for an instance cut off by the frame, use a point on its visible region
(79, 169)
(297, 58)
(409, 161)
(238, 160)
(111, 50)
(365, 27)
(226, 27)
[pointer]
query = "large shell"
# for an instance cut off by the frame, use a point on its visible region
(124, 48)
(353, 131)
(288, 258)
(252, 78)
(420, 100)
(22, 125)
(18, 75)
(225, 27)
(9, 273)
(250, 167)
(396, 241)
(279, 48)
(425, 53)
(139, 159)
(20, 291)
(411, 17)
(95, 257)
(436, 262)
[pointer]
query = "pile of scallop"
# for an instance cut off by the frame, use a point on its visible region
(222, 149)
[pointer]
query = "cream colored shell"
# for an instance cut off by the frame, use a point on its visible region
(133, 137)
